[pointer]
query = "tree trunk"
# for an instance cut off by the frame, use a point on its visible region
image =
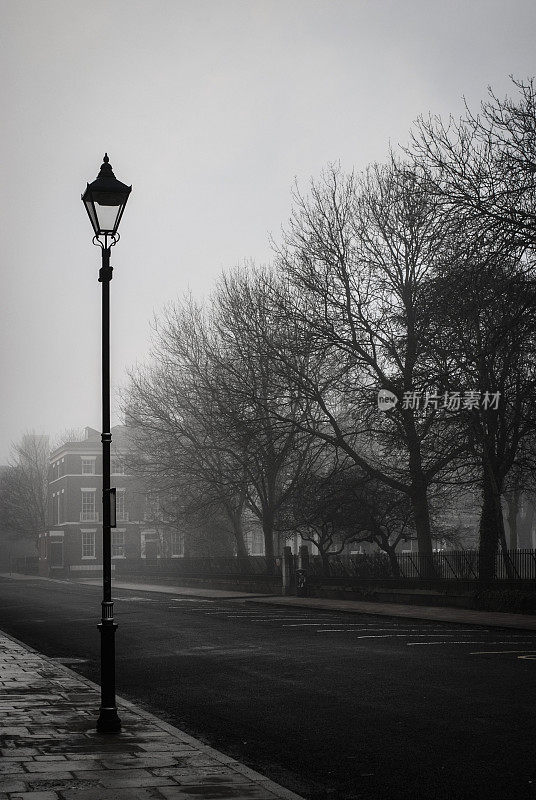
(238, 533)
(491, 527)
(241, 550)
(421, 516)
(512, 503)
(393, 561)
(268, 532)
(187, 549)
(419, 500)
(325, 563)
(508, 563)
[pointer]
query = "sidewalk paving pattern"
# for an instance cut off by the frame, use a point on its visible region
(51, 751)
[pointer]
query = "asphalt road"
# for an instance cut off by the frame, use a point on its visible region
(333, 705)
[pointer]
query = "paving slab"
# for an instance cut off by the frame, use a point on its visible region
(55, 753)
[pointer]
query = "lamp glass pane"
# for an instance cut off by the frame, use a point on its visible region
(91, 212)
(107, 216)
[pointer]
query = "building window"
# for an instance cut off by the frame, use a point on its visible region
(56, 508)
(177, 544)
(118, 468)
(120, 512)
(254, 541)
(88, 466)
(152, 507)
(150, 545)
(118, 544)
(88, 544)
(88, 513)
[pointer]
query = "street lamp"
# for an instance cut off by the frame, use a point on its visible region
(105, 200)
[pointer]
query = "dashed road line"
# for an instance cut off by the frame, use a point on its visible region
(188, 600)
(497, 652)
(322, 622)
(477, 641)
(348, 627)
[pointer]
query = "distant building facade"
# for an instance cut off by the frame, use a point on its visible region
(72, 542)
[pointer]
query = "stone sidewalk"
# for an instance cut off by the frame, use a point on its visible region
(51, 751)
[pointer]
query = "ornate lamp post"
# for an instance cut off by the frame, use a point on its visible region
(105, 200)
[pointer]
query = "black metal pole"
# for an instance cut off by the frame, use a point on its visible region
(108, 721)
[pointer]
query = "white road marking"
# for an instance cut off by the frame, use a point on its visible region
(407, 634)
(270, 616)
(405, 631)
(368, 636)
(232, 616)
(494, 652)
(347, 628)
(478, 641)
(138, 599)
(188, 600)
(325, 620)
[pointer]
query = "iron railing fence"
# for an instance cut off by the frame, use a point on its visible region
(445, 565)
(518, 564)
(363, 565)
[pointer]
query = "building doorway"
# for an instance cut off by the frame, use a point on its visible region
(150, 547)
(55, 552)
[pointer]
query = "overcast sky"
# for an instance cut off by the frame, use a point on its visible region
(210, 109)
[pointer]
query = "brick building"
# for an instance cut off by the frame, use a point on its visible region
(73, 540)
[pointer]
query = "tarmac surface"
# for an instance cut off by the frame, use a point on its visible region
(439, 614)
(336, 699)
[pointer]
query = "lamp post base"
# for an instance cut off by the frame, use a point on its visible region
(108, 721)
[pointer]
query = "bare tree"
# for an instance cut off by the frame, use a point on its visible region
(205, 412)
(482, 169)
(24, 488)
(483, 166)
(179, 443)
(360, 256)
(333, 508)
(252, 391)
(67, 436)
(486, 337)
